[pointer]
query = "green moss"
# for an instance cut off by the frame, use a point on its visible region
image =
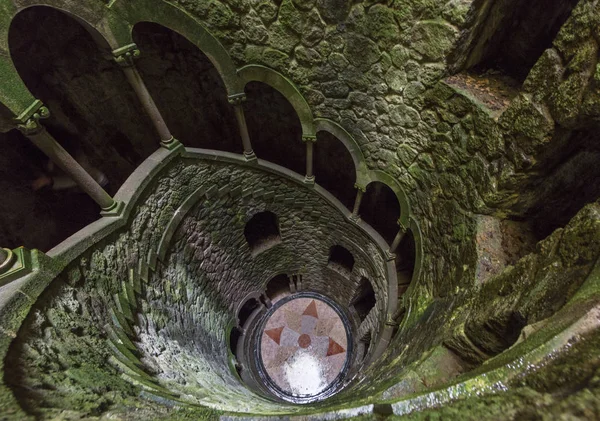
(275, 59)
(433, 39)
(290, 17)
(219, 15)
(361, 51)
(380, 25)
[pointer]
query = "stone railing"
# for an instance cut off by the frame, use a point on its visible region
(31, 272)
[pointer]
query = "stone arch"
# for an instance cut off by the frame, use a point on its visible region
(262, 232)
(360, 163)
(180, 21)
(257, 73)
(418, 238)
(100, 121)
(388, 180)
(341, 259)
(111, 27)
(280, 144)
(92, 16)
(189, 92)
(364, 299)
(250, 304)
(380, 209)
(403, 291)
(278, 286)
(102, 24)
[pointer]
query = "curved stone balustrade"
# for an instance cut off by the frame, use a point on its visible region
(146, 250)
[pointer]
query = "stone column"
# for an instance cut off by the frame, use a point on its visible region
(31, 127)
(266, 301)
(237, 101)
(396, 242)
(125, 56)
(310, 141)
(360, 191)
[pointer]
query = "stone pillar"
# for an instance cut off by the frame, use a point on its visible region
(236, 101)
(267, 301)
(125, 56)
(310, 141)
(396, 242)
(360, 191)
(30, 126)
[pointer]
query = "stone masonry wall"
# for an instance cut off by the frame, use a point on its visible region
(376, 68)
(211, 270)
(190, 301)
(369, 66)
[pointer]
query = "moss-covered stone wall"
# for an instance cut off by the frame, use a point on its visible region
(466, 148)
(188, 304)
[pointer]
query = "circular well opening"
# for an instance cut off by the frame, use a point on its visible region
(304, 347)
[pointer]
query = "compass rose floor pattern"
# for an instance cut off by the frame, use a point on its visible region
(303, 346)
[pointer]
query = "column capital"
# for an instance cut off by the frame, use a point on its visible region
(124, 56)
(360, 188)
(403, 228)
(29, 120)
(309, 138)
(391, 322)
(237, 99)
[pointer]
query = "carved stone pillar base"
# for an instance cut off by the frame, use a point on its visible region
(354, 218)
(19, 264)
(250, 156)
(115, 210)
(170, 144)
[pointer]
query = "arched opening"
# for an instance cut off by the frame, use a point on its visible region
(380, 209)
(364, 299)
(262, 232)
(246, 311)
(41, 218)
(187, 89)
(365, 344)
(334, 168)
(234, 340)
(405, 262)
(278, 287)
(486, 336)
(274, 127)
(95, 114)
(341, 260)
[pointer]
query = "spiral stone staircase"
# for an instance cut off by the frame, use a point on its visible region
(427, 231)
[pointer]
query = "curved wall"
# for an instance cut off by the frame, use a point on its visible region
(169, 325)
(467, 162)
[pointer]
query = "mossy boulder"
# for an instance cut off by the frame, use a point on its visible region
(530, 122)
(433, 39)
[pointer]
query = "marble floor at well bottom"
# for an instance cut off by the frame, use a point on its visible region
(303, 346)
